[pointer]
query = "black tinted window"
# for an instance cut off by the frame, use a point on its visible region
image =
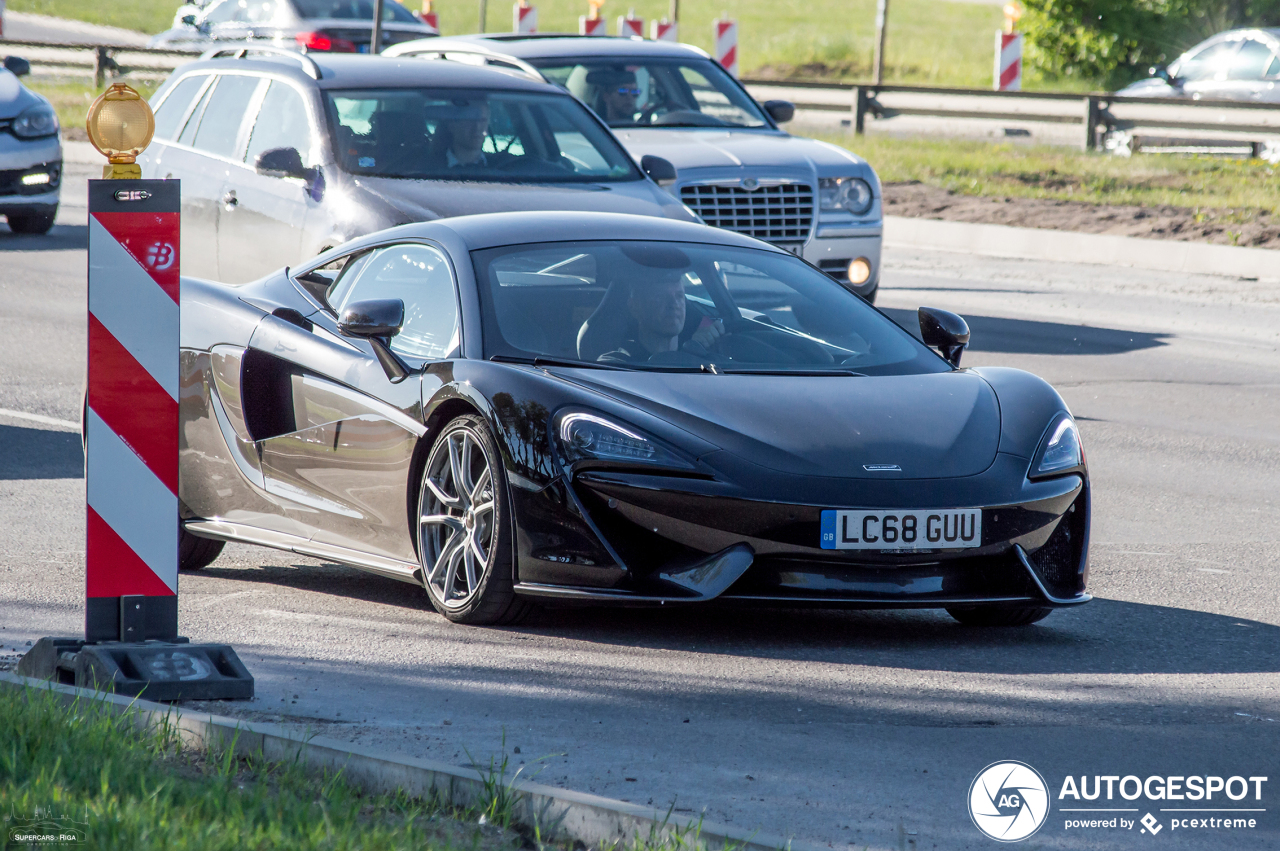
(220, 124)
(169, 114)
(361, 10)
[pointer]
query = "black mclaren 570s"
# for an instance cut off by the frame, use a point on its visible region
(603, 409)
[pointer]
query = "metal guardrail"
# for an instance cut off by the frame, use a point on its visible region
(1103, 119)
(103, 61)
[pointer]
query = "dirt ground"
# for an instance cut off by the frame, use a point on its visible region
(1222, 227)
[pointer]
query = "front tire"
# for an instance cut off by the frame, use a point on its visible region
(32, 223)
(999, 615)
(464, 528)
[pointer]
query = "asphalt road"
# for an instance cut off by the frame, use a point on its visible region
(842, 728)
(24, 26)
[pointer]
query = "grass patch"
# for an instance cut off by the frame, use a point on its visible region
(131, 790)
(148, 16)
(1002, 169)
(71, 98)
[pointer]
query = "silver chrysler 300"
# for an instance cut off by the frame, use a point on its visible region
(737, 169)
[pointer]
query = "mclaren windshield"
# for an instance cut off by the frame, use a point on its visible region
(442, 134)
(655, 92)
(666, 305)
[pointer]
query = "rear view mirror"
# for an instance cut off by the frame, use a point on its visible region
(281, 162)
(661, 171)
(377, 320)
(945, 331)
(1162, 73)
(17, 66)
(189, 20)
(780, 111)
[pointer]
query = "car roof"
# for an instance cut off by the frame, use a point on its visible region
(554, 45)
(339, 71)
(490, 230)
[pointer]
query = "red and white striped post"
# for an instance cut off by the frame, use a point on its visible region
(524, 18)
(726, 41)
(1008, 68)
(629, 26)
(593, 22)
(131, 423)
(428, 15)
(663, 30)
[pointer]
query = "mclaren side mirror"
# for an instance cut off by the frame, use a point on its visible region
(780, 111)
(17, 66)
(377, 320)
(945, 331)
(661, 171)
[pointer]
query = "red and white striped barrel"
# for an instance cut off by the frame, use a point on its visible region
(591, 26)
(630, 26)
(524, 19)
(1008, 73)
(726, 38)
(663, 30)
(131, 421)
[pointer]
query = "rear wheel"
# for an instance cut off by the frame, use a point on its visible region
(194, 552)
(36, 223)
(464, 528)
(999, 615)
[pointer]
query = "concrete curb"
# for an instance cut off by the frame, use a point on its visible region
(1163, 255)
(562, 815)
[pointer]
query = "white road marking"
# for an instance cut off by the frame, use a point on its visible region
(39, 418)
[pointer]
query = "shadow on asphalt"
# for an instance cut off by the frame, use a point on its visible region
(61, 238)
(32, 453)
(1102, 637)
(1021, 336)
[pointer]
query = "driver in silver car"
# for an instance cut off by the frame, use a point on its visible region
(618, 90)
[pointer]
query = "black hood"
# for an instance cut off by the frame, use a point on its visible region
(938, 425)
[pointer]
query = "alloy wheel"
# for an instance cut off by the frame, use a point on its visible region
(457, 528)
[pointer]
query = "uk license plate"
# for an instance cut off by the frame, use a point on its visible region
(894, 529)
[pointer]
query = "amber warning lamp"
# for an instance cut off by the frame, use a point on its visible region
(120, 125)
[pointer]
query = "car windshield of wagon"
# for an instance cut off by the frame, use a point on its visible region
(651, 92)
(649, 305)
(463, 134)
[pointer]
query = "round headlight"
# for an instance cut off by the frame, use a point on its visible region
(859, 270)
(36, 121)
(851, 194)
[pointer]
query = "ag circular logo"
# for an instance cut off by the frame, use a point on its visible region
(1008, 801)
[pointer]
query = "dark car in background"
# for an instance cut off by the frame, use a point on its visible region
(1234, 65)
(337, 26)
(30, 153)
(283, 155)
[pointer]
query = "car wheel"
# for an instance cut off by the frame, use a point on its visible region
(999, 615)
(36, 223)
(464, 530)
(196, 553)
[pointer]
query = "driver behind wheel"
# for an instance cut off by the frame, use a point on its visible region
(462, 135)
(657, 304)
(617, 91)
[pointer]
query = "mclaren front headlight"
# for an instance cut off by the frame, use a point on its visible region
(36, 121)
(850, 194)
(1060, 449)
(586, 436)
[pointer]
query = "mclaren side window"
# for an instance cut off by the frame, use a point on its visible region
(660, 305)
(418, 275)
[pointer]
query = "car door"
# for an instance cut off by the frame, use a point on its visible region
(347, 433)
(263, 223)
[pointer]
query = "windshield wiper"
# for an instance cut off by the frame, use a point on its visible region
(543, 361)
(849, 373)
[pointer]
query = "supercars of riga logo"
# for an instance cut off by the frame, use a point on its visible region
(1008, 801)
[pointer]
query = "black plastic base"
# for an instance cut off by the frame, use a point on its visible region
(153, 670)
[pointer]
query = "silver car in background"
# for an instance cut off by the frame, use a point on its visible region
(30, 153)
(737, 169)
(1233, 65)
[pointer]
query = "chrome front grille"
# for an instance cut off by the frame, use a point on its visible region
(775, 213)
